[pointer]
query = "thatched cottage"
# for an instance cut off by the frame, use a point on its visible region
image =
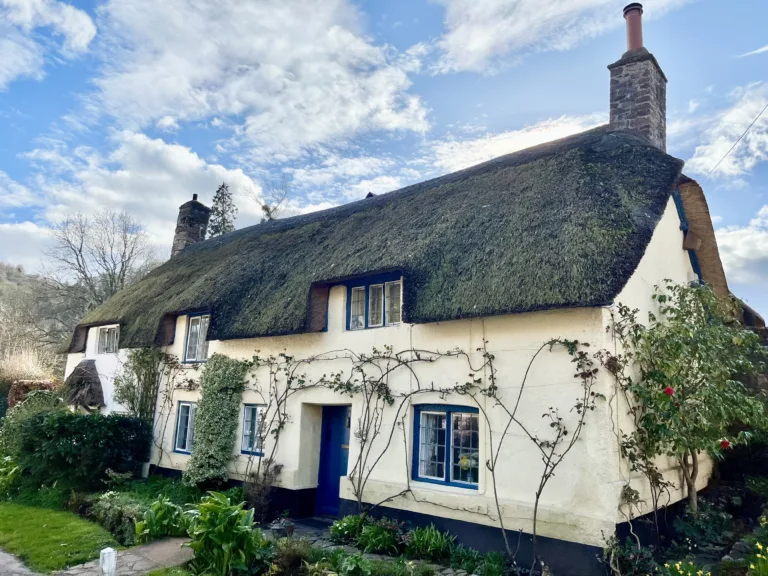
(496, 259)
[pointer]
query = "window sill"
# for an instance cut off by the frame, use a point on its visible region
(429, 483)
(255, 453)
(176, 451)
(373, 327)
(191, 363)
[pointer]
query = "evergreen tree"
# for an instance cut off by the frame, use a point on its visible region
(223, 212)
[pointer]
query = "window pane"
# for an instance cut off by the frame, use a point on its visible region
(465, 448)
(202, 345)
(432, 445)
(192, 338)
(102, 340)
(111, 344)
(258, 431)
(191, 427)
(357, 309)
(376, 305)
(182, 427)
(393, 302)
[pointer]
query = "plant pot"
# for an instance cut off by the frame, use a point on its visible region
(282, 530)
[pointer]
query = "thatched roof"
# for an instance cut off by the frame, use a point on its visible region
(563, 224)
(83, 386)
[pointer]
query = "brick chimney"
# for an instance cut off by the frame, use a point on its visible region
(191, 225)
(638, 85)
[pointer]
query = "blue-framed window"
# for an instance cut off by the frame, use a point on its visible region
(253, 422)
(196, 343)
(184, 437)
(446, 445)
(374, 302)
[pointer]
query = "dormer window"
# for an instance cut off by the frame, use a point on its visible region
(108, 337)
(374, 304)
(196, 349)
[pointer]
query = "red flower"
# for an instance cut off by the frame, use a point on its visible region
(725, 444)
(669, 391)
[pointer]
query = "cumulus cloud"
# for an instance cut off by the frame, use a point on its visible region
(744, 250)
(22, 243)
(287, 75)
(485, 34)
(454, 154)
(725, 128)
(22, 53)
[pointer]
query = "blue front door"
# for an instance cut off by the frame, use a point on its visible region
(334, 455)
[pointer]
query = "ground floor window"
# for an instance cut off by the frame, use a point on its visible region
(185, 427)
(253, 420)
(446, 445)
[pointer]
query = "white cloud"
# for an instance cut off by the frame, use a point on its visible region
(744, 250)
(484, 34)
(288, 75)
(724, 130)
(377, 185)
(13, 194)
(22, 243)
(754, 52)
(452, 154)
(22, 54)
(338, 168)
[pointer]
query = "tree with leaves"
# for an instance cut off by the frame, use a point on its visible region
(689, 398)
(223, 212)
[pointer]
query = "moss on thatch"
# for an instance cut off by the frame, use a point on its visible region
(563, 224)
(83, 386)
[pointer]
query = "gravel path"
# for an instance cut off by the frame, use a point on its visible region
(12, 566)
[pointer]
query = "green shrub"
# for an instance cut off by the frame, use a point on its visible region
(31, 493)
(356, 565)
(154, 487)
(79, 448)
(493, 564)
(428, 543)
(291, 556)
(630, 560)
(467, 559)
(118, 513)
(37, 402)
(224, 539)
(222, 384)
(421, 569)
(10, 472)
(380, 537)
(163, 518)
(347, 530)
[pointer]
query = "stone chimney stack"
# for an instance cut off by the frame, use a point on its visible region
(638, 86)
(191, 225)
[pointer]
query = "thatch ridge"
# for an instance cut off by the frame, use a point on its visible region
(563, 224)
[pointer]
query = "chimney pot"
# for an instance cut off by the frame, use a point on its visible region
(194, 196)
(633, 14)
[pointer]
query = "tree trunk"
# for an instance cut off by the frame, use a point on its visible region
(690, 474)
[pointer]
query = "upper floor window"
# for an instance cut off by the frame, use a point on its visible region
(196, 349)
(446, 442)
(374, 304)
(185, 427)
(108, 340)
(253, 420)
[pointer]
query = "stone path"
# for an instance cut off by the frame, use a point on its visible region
(12, 566)
(136, 561)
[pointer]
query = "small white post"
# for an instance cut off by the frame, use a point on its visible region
(108, 562)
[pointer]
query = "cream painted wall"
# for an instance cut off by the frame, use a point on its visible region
(580, 503)
(107, 366)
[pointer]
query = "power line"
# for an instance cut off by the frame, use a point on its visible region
(737, 141)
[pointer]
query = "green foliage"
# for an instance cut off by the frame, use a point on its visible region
(10, 472)
(291, 556)
(222, 383)
(347, 529)
(80, 448)
(163, 518)
(118, 513)
(31, 493)
(493, 564)
(37, 402)
(48, 540)
(224, 538)
(467, 559)
(687, 398)
(707, 526)
(428, 543)
(382, 536)
(154, 487)
(683, 569)
(356, 565)
(170, 572)
(136, 386)
(758, 562)
(629, 559)
(223, 212)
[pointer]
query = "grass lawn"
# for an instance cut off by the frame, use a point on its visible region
(48, 540)
(170, 572)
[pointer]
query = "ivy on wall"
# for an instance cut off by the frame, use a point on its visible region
(222, 385)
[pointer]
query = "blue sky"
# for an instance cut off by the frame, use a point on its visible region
(137, 104)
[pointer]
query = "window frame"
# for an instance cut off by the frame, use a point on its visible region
(448, 410)
(260, 409)
(381, 280)
(107, 341)
(190, 317)
(190, 430)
